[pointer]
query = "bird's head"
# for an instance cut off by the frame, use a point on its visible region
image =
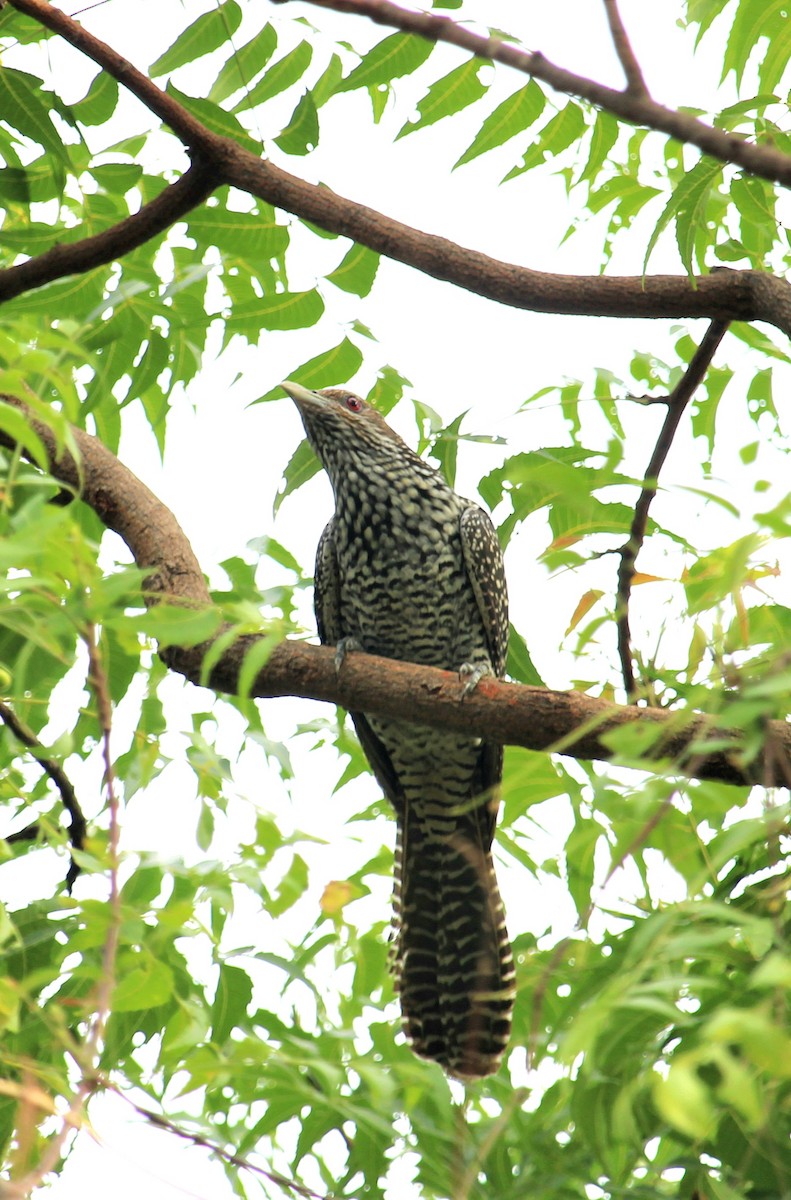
(342, 427)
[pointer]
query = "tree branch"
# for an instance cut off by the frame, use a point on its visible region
(677, 402)
(635, 84)
(764, 160)
(77, 825)
(71, 258)
(509, 713)
(723, 295)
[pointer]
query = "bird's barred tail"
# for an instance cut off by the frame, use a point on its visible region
(452, 958)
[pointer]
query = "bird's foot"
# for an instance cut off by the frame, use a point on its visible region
(472, 674)
(342, 649)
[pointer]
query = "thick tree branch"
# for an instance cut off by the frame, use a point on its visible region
(677, 402)
(537, 718)
(724, 295)
(637, 107)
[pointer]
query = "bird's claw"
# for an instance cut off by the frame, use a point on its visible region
(472, 673)
(342, 649)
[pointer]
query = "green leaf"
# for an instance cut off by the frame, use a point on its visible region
(396, 56)
(557, 135)
(172, 625)
(516, 114)
(281, 75)
(753, 20)
(231, 1000)
(302, 466)
(687, 204)
(301, 135)
(520, 665)
(448, 95)
(99, 102)
(206, 33)
(244, 65)
(285, 310)
(215, 119)
(248, 235)
(143, 987)
(292, 886)
(22, 107)
(327, 369)
(357, 272)
(17, 426)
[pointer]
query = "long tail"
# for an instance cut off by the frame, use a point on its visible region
(453, 964)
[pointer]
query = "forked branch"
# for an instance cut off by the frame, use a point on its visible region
(677, 402)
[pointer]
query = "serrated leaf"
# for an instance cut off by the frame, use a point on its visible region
(327, 369)
(22, 107)
(301, 135)
(557, 135)
(396, 56)
(172, 625)
(752, 20)
(143, 987)
(244, 65)
(17, 426)
(301, 467)
(233, 995)
(206, 33)
(99, 102)
(688, 197)
(448, 95)
(584, 605)
(516, 114)
(520, 665)
(215, 119)
(357, 272)
(281, 75)
(248, 235)
(292, 886)
(284, 310)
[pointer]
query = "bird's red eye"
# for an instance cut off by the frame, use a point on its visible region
(354, 403)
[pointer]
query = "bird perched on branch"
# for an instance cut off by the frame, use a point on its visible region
(409, 570)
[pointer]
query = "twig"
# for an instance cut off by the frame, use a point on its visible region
(677, 401)
(508, 713)
(236, 1160)
(64, 785)
(90, 1081)
(635, 83)
(98, 681)
(729, 147)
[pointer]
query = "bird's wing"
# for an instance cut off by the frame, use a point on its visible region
(329, 621)
(483, 559)
(327, 589)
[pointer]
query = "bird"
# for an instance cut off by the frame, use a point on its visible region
(407, 569)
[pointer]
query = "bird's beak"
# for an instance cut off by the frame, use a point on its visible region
(302, 395)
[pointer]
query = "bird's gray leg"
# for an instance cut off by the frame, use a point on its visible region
(342, 649)
(472, 673)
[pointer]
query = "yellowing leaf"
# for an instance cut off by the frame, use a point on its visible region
(641, 577)
(335, 896)
(584, 606)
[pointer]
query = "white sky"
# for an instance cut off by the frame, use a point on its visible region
(225, 460)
